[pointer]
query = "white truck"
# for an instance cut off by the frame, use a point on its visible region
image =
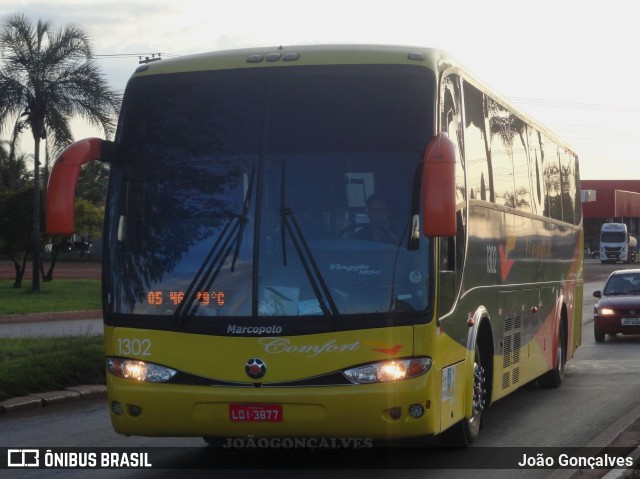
(616, 244)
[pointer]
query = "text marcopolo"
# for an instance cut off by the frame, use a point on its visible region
(258, 330)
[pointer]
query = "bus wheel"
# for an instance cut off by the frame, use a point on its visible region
(464, 433)
(553, 378)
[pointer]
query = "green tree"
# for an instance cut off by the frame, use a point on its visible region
(14, 172)
(89, 219)
(13, 166)
(15, 227)
(92, 183)
(47, 77)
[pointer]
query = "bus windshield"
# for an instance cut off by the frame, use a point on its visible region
(270, 192)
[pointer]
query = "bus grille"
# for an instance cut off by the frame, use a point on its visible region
(510, 377)
(511, 343)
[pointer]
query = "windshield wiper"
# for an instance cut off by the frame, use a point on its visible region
(318, 284)
(231, 235)
(244, 219)
(311, 269)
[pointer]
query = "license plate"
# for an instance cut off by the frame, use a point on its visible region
(630, 321)
(255, 412)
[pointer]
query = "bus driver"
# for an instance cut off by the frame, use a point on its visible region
(378, 228)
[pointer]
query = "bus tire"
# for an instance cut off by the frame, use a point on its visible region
(465, 432)
(598, 335)
(554, 377)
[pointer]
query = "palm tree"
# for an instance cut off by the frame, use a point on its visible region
(46, 78)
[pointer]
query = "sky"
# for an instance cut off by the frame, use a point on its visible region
(570, 64)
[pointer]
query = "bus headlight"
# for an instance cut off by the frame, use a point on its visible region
(139, 370)
(385, 371)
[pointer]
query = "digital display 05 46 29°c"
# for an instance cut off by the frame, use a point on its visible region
(205, 298)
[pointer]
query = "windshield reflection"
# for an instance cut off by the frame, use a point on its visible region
(216, 212)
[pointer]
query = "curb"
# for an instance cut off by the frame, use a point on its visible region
(45, 317)
(40, 400)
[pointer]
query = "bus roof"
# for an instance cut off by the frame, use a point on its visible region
(297, 55)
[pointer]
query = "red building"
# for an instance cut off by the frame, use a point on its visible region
(615, 201)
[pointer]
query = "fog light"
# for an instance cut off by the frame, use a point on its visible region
(116, 408)
(416, 410)
(135, 410)
(395, 412)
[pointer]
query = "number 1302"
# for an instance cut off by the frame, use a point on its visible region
(134, 347)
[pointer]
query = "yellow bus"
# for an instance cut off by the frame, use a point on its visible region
(328, 241)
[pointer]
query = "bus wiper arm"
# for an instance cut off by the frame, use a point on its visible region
(231, 234)
(311, 269)
(244, 219)
(204, 278)
(289, 224)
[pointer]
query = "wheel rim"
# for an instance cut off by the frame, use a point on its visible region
(479, 395)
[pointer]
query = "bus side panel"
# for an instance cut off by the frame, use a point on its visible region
(523, 271)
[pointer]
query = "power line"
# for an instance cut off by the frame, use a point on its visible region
(600, 139)
(130, 55)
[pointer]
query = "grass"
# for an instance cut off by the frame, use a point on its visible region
(31, 365)
(54, 296)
